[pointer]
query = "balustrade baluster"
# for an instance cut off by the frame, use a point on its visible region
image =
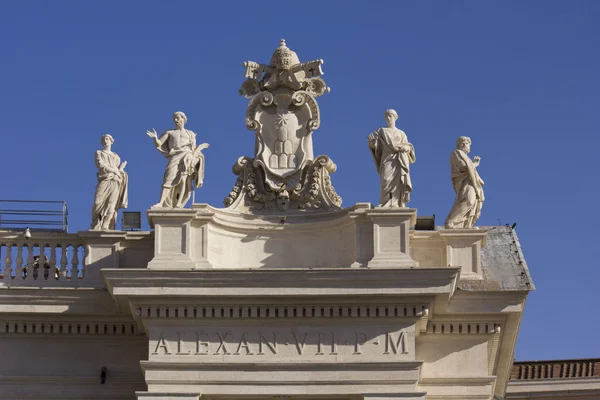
(42, 261)
(30, 261)
(85, 257)
(8, 262)
(52, 262)
(2, 247)
(63, 262)
(75, 263)
(19, 268)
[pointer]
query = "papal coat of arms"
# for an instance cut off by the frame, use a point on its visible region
(283, 113)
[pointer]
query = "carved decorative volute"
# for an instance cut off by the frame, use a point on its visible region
(283, 112)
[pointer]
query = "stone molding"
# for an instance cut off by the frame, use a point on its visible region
(286, 311)
(463, 388)
(357, 282)
(463, 327)
(561, 388)
(166, 396)
(344, 379)
(30, 327)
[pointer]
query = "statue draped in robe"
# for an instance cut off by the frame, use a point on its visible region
(393, 155)
(111, 189)
(467, 185)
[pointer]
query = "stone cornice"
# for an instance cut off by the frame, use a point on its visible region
(266, 366)
(56, 301)
(285, 282)
(570, 388)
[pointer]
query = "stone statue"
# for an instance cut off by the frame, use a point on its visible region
(467, 185)
(283, 112)
(185, 168)
(393, 155)
(111, 189)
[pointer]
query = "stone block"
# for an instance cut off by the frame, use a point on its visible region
(391, 238)
(463, 249)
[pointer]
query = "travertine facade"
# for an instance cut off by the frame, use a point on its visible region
(350, 304)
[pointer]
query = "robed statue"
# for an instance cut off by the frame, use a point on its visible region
(185, 168)
(467, 185)
(111, 189)
(393, 155)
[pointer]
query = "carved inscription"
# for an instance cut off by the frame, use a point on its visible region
(315, 343)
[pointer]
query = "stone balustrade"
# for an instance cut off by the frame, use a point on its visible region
(59, 257)
(556, 369)
(69, 259)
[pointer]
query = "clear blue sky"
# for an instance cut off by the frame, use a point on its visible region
(521, 78)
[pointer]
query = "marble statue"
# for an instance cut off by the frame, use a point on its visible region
(283, 113)
(185, 168)
(111, 189)
(393, 155)
(467, 185)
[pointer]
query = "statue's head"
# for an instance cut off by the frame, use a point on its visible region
(463, 143)
(106, 139)
(390, 116)
(283, 57)
(283, 200)
(179, 118)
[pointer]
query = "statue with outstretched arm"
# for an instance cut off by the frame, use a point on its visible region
(185, 166)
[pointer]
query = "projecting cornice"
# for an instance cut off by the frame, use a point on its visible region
(268, 283)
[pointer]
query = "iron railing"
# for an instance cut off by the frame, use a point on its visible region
(37, 215)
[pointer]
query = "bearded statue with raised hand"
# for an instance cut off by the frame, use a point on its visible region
(185, 166)
(467, 185)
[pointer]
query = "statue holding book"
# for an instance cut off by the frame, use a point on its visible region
(185, 168)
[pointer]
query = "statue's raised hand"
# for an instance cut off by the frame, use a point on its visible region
(152, 134)
(372, 139)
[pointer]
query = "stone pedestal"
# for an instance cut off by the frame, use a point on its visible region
(180, 238)
(364, 234)
(463, 249)
(102, 250)
(391, 237)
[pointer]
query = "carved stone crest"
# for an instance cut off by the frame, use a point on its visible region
(283, 112)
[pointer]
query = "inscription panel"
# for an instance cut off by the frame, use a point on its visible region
(283, 343)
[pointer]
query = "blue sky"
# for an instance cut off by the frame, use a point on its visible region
(520, 78)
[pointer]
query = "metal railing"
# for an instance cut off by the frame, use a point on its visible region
(37, 215)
